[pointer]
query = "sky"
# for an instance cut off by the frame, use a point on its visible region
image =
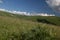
(38, 6)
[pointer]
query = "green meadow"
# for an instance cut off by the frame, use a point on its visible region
(18, 27)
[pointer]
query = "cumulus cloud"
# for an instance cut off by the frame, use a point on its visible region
(2, 9)
(14, 12)
(54, 4)
(1, 1)
(27, 14)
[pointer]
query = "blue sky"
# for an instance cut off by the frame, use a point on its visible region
(27, 6)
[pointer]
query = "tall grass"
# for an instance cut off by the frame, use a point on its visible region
(19, 29)
(45, 19)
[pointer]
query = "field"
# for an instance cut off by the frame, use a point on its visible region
(17, 27)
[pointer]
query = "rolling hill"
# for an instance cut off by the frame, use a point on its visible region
(18, 27)
(44, 19)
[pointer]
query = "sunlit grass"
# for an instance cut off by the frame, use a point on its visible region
(15, 28)
(19, 27)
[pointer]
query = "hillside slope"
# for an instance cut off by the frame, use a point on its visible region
(44, 19)
(14, 28)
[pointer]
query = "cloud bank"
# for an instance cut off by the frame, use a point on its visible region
(27, 14)
(15, 12)
(54, 4)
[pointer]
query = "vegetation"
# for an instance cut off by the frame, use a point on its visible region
(44, 19)
(28, 28)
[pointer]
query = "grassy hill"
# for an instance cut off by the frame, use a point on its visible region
(17, 27)
(44, 19)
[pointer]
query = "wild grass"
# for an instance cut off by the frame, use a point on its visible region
(19, 29)
(44, 19)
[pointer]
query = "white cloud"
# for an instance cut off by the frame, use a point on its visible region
(1, 1)
(27, 14)
(42, 14)
(14, 12)
(54, 4)
(2, 9)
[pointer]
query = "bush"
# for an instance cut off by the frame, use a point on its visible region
(45, 21)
